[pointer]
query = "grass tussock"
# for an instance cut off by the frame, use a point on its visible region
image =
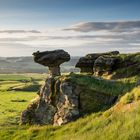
(134, 95)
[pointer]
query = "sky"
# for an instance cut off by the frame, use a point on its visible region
(77, 26)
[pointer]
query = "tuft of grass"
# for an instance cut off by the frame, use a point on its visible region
(131, 96)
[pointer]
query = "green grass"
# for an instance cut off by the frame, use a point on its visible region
(128, 67)
(121, 122)
(13, 77)
(134, 95)
(132, 56)
(16, 92)
(116, 126)
(22, 77)
(110, 87)
(9, 110)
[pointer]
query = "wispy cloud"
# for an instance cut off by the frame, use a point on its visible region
(86, 37)
(19, 31)
(123, 26)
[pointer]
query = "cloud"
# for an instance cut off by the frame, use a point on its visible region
(61, 40)
(19, 31)
(107, 36)
(135, 44)
(120, 26)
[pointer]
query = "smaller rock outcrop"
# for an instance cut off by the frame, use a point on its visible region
(52, 59)
(105, 64)
(86, 63)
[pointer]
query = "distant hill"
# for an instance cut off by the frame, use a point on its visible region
(27, 65)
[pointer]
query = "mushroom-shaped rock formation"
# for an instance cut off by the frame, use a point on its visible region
(52, 59)
(86, 63)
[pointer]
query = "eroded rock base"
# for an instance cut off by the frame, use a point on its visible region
(52, 108)
(61, 101)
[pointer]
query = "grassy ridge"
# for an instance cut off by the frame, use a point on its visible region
(110, 87)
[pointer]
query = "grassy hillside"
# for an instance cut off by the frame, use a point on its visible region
(119, 121)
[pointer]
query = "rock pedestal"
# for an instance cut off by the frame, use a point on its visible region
(57, 104)
(52, 59)
(54, 71)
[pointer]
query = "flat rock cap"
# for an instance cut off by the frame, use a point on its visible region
(51, 58)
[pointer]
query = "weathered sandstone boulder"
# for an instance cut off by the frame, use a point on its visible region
(52, 59)
(86, 63)
(105, 64)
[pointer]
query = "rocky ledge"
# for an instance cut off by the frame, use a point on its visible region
(62, 100)
(88, 63)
